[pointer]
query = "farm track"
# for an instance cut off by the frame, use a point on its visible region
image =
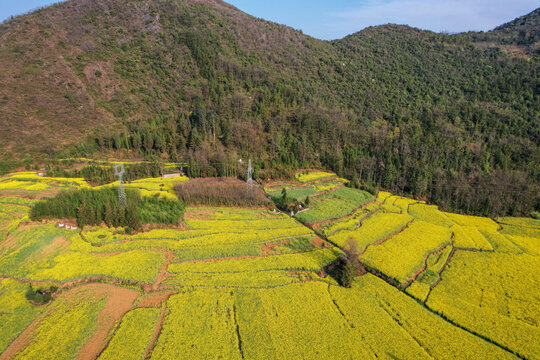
(154, 299)
(157, 332)
(169, 256)
(120, 301)
(67, 285)
(237, 329)
(424, 267)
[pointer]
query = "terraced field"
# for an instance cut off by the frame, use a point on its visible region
(439, 286)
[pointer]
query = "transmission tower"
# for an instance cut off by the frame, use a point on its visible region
(119, 171)
(250, 179)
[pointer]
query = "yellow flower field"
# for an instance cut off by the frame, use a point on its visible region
(190, 315)
(494, 295)
(431, 214)
(304, 177)
(161, 187)
(64, 328)
(210, 273)
(133, 335)
(401, 256)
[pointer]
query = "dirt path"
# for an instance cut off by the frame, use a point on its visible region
(424, 267)
(157, 331)
(22, 341)
(155, 299)
(169, 256)
(120, 301)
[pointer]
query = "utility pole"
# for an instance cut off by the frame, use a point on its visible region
(250, 180)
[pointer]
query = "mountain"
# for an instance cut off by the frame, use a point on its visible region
(523, 31)
(450, 118)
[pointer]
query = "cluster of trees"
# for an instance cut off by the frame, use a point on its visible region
(94, 207)
(221, 191)
(288, 203)
(40, 295)
(347, 266)
(91, 207)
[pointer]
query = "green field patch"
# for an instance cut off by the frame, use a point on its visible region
(334, 205)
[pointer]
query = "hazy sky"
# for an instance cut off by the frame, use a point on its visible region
(332, 19)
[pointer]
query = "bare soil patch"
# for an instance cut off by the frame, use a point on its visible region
(59, 243)
(200, 214)
(155, 299)
(321, 243)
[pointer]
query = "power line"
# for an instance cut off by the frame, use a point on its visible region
(119, 171)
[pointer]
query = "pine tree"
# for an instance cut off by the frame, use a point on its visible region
(82, 216)
(132, 218)
(108, 215)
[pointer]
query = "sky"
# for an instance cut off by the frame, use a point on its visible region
(334, 19)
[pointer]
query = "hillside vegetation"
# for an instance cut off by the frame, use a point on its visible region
(453, 118)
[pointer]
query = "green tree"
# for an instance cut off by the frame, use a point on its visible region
(132, 218)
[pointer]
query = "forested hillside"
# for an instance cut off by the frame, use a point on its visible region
(450, 118)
